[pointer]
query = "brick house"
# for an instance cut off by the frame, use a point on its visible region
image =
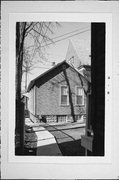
(59, 94)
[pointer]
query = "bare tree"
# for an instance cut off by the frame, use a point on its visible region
(31, 40)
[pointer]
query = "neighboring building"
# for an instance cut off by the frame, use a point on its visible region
(78, 54)
(59, 94)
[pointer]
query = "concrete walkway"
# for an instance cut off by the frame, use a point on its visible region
(42, 140)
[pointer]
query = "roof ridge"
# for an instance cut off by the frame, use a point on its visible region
(31, 84)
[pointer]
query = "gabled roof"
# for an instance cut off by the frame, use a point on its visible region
(56, 67)
(85, 70)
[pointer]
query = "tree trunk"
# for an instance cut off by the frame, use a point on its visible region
(70, 97)
(20, 36)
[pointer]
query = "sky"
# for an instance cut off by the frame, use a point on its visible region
(75, 33)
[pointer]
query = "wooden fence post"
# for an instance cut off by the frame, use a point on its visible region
(22, 124)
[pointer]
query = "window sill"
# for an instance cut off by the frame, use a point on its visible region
(64, 105)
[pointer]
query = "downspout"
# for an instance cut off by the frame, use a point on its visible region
(35, 101)
(34, 119)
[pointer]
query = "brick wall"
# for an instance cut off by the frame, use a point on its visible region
(48, 94)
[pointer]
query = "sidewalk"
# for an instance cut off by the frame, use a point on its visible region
(41, 139)
(59, 125)
(68, 125)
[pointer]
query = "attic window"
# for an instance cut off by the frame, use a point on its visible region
(64, 95)
(79, 96)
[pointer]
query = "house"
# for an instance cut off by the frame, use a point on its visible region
(59, 94)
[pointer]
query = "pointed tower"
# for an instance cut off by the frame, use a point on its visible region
(72, 56)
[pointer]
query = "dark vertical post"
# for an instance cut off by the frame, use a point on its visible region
(22, 123)
(98, 86)
(56, 118)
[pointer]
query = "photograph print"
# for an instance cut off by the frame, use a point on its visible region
(60, 89)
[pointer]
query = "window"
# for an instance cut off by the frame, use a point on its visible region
(79, 96)
(64, 95)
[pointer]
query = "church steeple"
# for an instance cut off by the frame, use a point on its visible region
(78, 54)
(72, 56)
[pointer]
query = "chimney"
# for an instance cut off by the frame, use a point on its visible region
(53, 64)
